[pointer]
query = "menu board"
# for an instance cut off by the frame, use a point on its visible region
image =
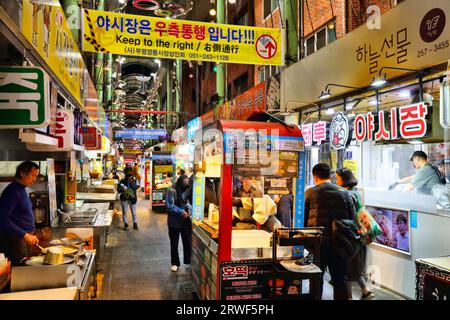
(245, 280)
(277, 186)
(266, 163)
(248, 187)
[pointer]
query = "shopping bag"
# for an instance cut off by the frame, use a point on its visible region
(346, 240)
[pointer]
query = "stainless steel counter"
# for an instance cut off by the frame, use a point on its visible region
(80, 275)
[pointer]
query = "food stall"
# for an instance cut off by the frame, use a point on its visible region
(147, 176)
(163, 169)
(371, 113)
(241, 169)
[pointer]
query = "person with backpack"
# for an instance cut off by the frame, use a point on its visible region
(127, 188)
(425, 178)
(357, 265)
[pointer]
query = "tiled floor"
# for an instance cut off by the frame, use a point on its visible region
(136, 264)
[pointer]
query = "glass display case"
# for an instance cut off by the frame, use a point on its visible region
(242, 170)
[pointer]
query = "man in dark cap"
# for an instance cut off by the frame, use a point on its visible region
(425, 178)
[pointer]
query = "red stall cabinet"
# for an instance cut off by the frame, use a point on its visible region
(242, 169)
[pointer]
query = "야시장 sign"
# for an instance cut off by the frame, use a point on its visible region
(406, 122)
(24, 97)
(144, 36)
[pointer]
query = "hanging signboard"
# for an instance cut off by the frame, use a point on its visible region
(251, 101)
(46, 28)
(24, 97)
(273, 94)
(89, 138)
(140, 133)
(340, 131)
(65, 129)
(136, 35)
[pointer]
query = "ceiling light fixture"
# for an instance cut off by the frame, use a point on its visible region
(379, 82)
(326, 93)
(330, 111)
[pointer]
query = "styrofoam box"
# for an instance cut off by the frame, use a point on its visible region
(250, 239)
(238, 254)
(282, 252)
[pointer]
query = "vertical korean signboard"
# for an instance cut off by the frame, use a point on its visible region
(251, 101)
(24, 97)
(65, 129)
(46, 28)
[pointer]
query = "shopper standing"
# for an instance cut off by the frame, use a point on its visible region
(179, 221)
(17, 223)
(127, 188)
(324, 203)
(357, 265)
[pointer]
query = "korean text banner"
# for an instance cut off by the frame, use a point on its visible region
(143, 36)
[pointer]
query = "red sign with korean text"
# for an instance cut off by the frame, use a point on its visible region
(251, 101)
(89, 137)
(407, 122)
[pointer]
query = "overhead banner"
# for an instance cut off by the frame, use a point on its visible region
(140, 133)
(143, 36)
(45, 26)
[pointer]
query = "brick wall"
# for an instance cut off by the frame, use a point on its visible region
(319, 12)
(356, 11)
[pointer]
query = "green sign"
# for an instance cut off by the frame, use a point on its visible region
(24, 97)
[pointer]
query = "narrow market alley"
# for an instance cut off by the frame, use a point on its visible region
(148, 276)
(136, 265)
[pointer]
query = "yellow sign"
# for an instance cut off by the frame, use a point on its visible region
(145, 36)
(132, 151)
(353, 166)
(163, 169)
(46, 27)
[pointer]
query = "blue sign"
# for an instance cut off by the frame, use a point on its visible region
(413, 219)
(140, 133)
(193, 126)
(299, 215)
(169, 157)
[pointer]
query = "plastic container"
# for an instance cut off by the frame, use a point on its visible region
(250, 239)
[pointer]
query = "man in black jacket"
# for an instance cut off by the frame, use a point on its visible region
(324, 203)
